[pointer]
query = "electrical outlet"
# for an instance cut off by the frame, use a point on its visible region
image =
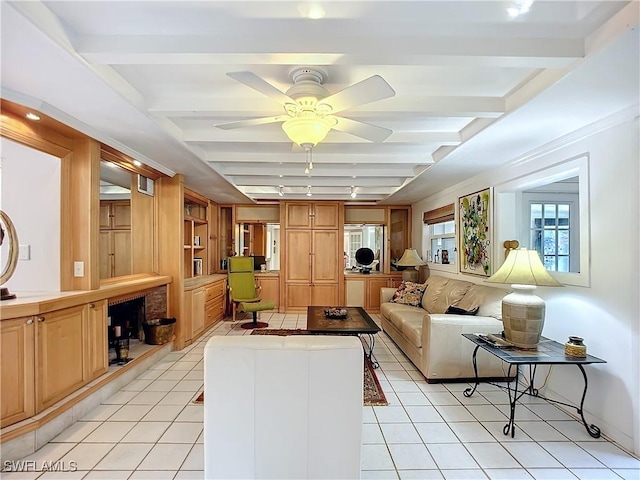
(78, 269)
(24, 252)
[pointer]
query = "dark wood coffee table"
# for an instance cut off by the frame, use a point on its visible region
(358, 322)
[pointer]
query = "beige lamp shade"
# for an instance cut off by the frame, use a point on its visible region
(523, 312)
(410, 258)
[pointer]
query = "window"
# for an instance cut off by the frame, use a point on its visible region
(439, 233)
(550, 234)
(363, 236)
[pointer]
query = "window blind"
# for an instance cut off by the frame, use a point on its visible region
(439, 215)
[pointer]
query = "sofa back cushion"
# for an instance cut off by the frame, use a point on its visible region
(489, 299)
(442, 292)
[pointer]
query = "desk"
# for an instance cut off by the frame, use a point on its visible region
(549, 352)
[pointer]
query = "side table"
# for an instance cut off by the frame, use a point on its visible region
(549, 352)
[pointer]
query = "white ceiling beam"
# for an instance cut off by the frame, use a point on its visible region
(319, 170)
(260, 135)
(227, 109)
(379, 183)
(363, 49)
(418, 157)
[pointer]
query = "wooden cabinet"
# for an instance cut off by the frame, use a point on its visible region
(62, 365)
(203, 306)
(215, 302)
(312, 215)
(269, 287)
(115, 214)
(97, 339)
(17, 375)
(313, 255)
(364, 290)
(196, 235)
(115, 238)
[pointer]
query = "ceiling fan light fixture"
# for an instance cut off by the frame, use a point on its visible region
(309, 130)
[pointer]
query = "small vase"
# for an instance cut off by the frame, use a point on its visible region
(575, 348)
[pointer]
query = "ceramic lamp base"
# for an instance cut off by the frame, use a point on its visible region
(523, 316)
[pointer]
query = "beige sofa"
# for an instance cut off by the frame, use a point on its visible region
(433, 340)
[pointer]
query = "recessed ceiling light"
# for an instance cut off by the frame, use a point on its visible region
(137, 163)
(32, 116)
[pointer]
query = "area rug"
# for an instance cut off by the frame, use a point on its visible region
(373, 394)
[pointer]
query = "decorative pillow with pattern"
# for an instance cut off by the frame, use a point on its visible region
(409, 293)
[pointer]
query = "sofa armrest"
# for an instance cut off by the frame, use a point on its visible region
(447, 354)
(386, 294)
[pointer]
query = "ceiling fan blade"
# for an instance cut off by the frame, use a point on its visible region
(252, 80)
(369, 90)
(252, 122)
(362, 130)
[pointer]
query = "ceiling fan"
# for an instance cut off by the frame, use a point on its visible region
(310, 109)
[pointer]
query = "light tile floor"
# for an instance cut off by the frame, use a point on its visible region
(151, 429)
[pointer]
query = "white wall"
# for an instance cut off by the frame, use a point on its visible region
(606, 314)
(30, 195)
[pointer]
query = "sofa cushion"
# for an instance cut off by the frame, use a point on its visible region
(412, 329)
(489, 299)
(409, 293)
(396, 312)
(442, 292)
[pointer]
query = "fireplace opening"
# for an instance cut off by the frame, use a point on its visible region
(125, 325)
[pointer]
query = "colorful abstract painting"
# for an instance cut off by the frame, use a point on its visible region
(474, 213)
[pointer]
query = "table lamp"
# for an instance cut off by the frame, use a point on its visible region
(522, 310)
(410, 258)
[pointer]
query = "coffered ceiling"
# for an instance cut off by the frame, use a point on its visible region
(474, 86)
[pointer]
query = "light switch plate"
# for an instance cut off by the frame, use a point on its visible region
(24, 252)
(78, 269)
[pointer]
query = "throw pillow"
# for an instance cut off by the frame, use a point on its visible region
(462, 311)
(409, 293)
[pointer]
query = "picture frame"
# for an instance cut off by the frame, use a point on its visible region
(475, 232)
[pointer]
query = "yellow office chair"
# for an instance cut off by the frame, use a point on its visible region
(244, 294)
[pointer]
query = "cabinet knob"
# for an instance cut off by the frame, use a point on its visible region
(41, 319)
(92, 305)
(30, 321)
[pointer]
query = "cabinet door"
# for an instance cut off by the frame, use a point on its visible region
(327, 265)
(105, 215)
(270, 288)
(298, 215)
(355, 292)
(17, 375)
(197, 311)
(324, 295)
(121, 215)
(373, 293)
(298, 255)
(61, 366)
(325, 215)
(121, 252)
(106, 254)
(98, 354)
(298, 296)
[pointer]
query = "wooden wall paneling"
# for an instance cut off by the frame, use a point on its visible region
(214, 254)
(98, 350)
(85, 210)
(170, 194)
(142, 231)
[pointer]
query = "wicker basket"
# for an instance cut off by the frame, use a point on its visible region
(159, 331)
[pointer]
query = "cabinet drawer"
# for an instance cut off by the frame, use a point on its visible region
(213, 311)
(214, 291)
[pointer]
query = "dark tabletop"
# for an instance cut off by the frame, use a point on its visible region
(357, 321)
(548, 352)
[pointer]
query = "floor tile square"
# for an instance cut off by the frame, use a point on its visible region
(371, 434)
(87, 455)
(471, 432)
(165, 456)
(423, 414)
(400, 433)
(124, 456)
(551, 474)
(531, 455)
(469, 474)
(110, 432)
(146, 432)
(571, 455)
(420, 475)
(411, 457)
(77, 432)
(182, 432)
(191, 413)
(155, 475)
(412, 398)
(491, 455)
(507, 474)
(452, 413)
(108, 475)
(131, 413)
(451, 456)
(436, 433)
(163, 413)
(195, 458)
